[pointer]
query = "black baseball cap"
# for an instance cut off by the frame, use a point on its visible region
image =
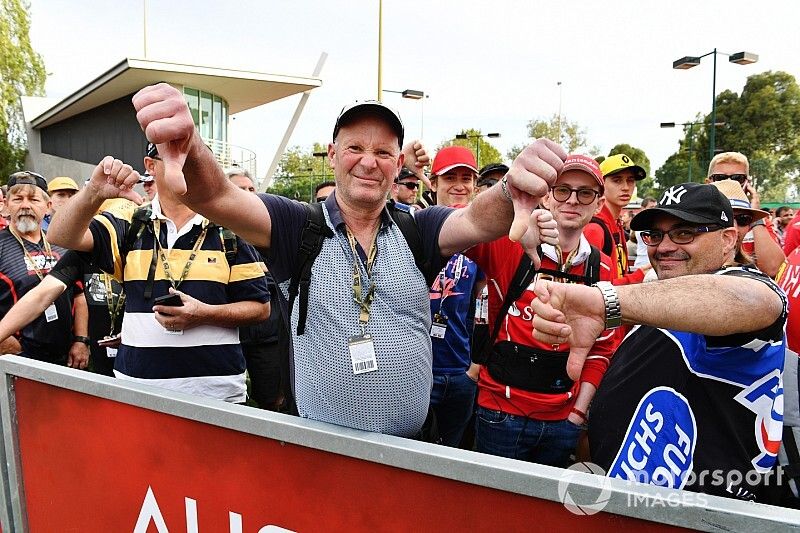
(404, 174)
(693, 202)
(370, 107)
(490, 169)
(26, 177)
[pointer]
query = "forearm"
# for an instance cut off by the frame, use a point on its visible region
(707, 304)
(70, 227)
(585, 394)
(769, 255)
(80, 320)
(212, 195)
(235, 314)
(30, 306)
(487, 218)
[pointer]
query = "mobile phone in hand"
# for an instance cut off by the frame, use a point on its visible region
(170, 300)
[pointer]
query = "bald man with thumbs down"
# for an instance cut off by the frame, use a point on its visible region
(364, 358)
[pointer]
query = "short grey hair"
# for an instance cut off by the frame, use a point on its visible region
(238, 172)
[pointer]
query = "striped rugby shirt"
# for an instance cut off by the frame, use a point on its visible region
(47, 341)
(206, 360)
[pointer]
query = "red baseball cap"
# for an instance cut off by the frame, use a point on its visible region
(585, 164)
(451, 157)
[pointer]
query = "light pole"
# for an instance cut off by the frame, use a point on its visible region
(477, 142)
(691, 137)
(685, 63)
(414, 94)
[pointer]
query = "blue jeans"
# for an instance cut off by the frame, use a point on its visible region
(548, 442)
(452, 400)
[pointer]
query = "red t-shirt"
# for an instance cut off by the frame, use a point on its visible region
(749, 245)
(596, 236)
(499, 261)
(789, 280)
(791, 238)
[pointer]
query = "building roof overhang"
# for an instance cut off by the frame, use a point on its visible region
(241, 89)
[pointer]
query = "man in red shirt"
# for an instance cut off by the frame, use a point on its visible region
(605, 231)
(528, 408)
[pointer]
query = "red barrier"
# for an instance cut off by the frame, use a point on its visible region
(88, 464)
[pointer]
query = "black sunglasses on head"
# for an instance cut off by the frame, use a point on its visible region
(740, 178)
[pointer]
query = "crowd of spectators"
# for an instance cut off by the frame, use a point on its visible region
(538, 311)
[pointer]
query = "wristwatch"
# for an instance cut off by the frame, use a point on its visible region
(611, 301)
(80, 338)
(759, 222)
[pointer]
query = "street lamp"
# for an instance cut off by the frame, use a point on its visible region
(685, 63)
(414, 94)
(691, 137)
(477, 138)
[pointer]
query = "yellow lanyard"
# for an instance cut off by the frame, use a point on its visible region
(48, 253)
(364, 303)
(197, 244)
(113, 310)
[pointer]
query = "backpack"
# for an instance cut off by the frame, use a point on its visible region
(522, 278)
(140, 220)
(316, 231)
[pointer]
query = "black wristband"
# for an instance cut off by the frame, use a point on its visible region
(80, 338)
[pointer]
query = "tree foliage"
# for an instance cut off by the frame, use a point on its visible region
(483, 150)
(22, 73)
(763, 123)
(567, 133)
(299, 171)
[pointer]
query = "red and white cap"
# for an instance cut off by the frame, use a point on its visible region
(585, 164)
(451, 157)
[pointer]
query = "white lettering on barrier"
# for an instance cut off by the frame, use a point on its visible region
(150, 512)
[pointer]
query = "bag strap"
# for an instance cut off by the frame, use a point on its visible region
(608, 239)
(408, 227)
(522, 278)
(311, 240)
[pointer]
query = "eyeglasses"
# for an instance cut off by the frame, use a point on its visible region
(740, 178)
(321, 199)
(743, 219)
(683, 235)
(410, 184)
(562, 193)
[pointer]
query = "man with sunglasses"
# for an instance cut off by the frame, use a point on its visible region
(528, 408)
(26, 257)
(757, 238)
(693, 398)
(405, 187)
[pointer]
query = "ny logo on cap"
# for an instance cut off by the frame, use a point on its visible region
(673, 195)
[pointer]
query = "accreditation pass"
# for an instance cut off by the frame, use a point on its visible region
(362, 354)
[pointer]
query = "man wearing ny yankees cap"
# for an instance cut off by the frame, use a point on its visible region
(696, 388)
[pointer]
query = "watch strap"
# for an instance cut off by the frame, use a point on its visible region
(613, 310)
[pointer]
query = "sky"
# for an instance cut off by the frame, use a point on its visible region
(488, 65)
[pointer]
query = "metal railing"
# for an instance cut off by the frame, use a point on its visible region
(230, 155)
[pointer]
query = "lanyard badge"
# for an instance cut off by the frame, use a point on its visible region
(361, 347)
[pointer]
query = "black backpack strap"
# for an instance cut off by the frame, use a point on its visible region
(408, 227)
(592, 271)
(311, 240)
(140, 220)
(229, 244)
(522, 278)
(608, 239)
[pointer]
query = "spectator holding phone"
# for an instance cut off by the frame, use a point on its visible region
(189, 283)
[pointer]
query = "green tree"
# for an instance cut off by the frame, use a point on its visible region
(645, 187)
(299, 171)
(484, 151)
(21, 74)
(567, 133)
(764, 124)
